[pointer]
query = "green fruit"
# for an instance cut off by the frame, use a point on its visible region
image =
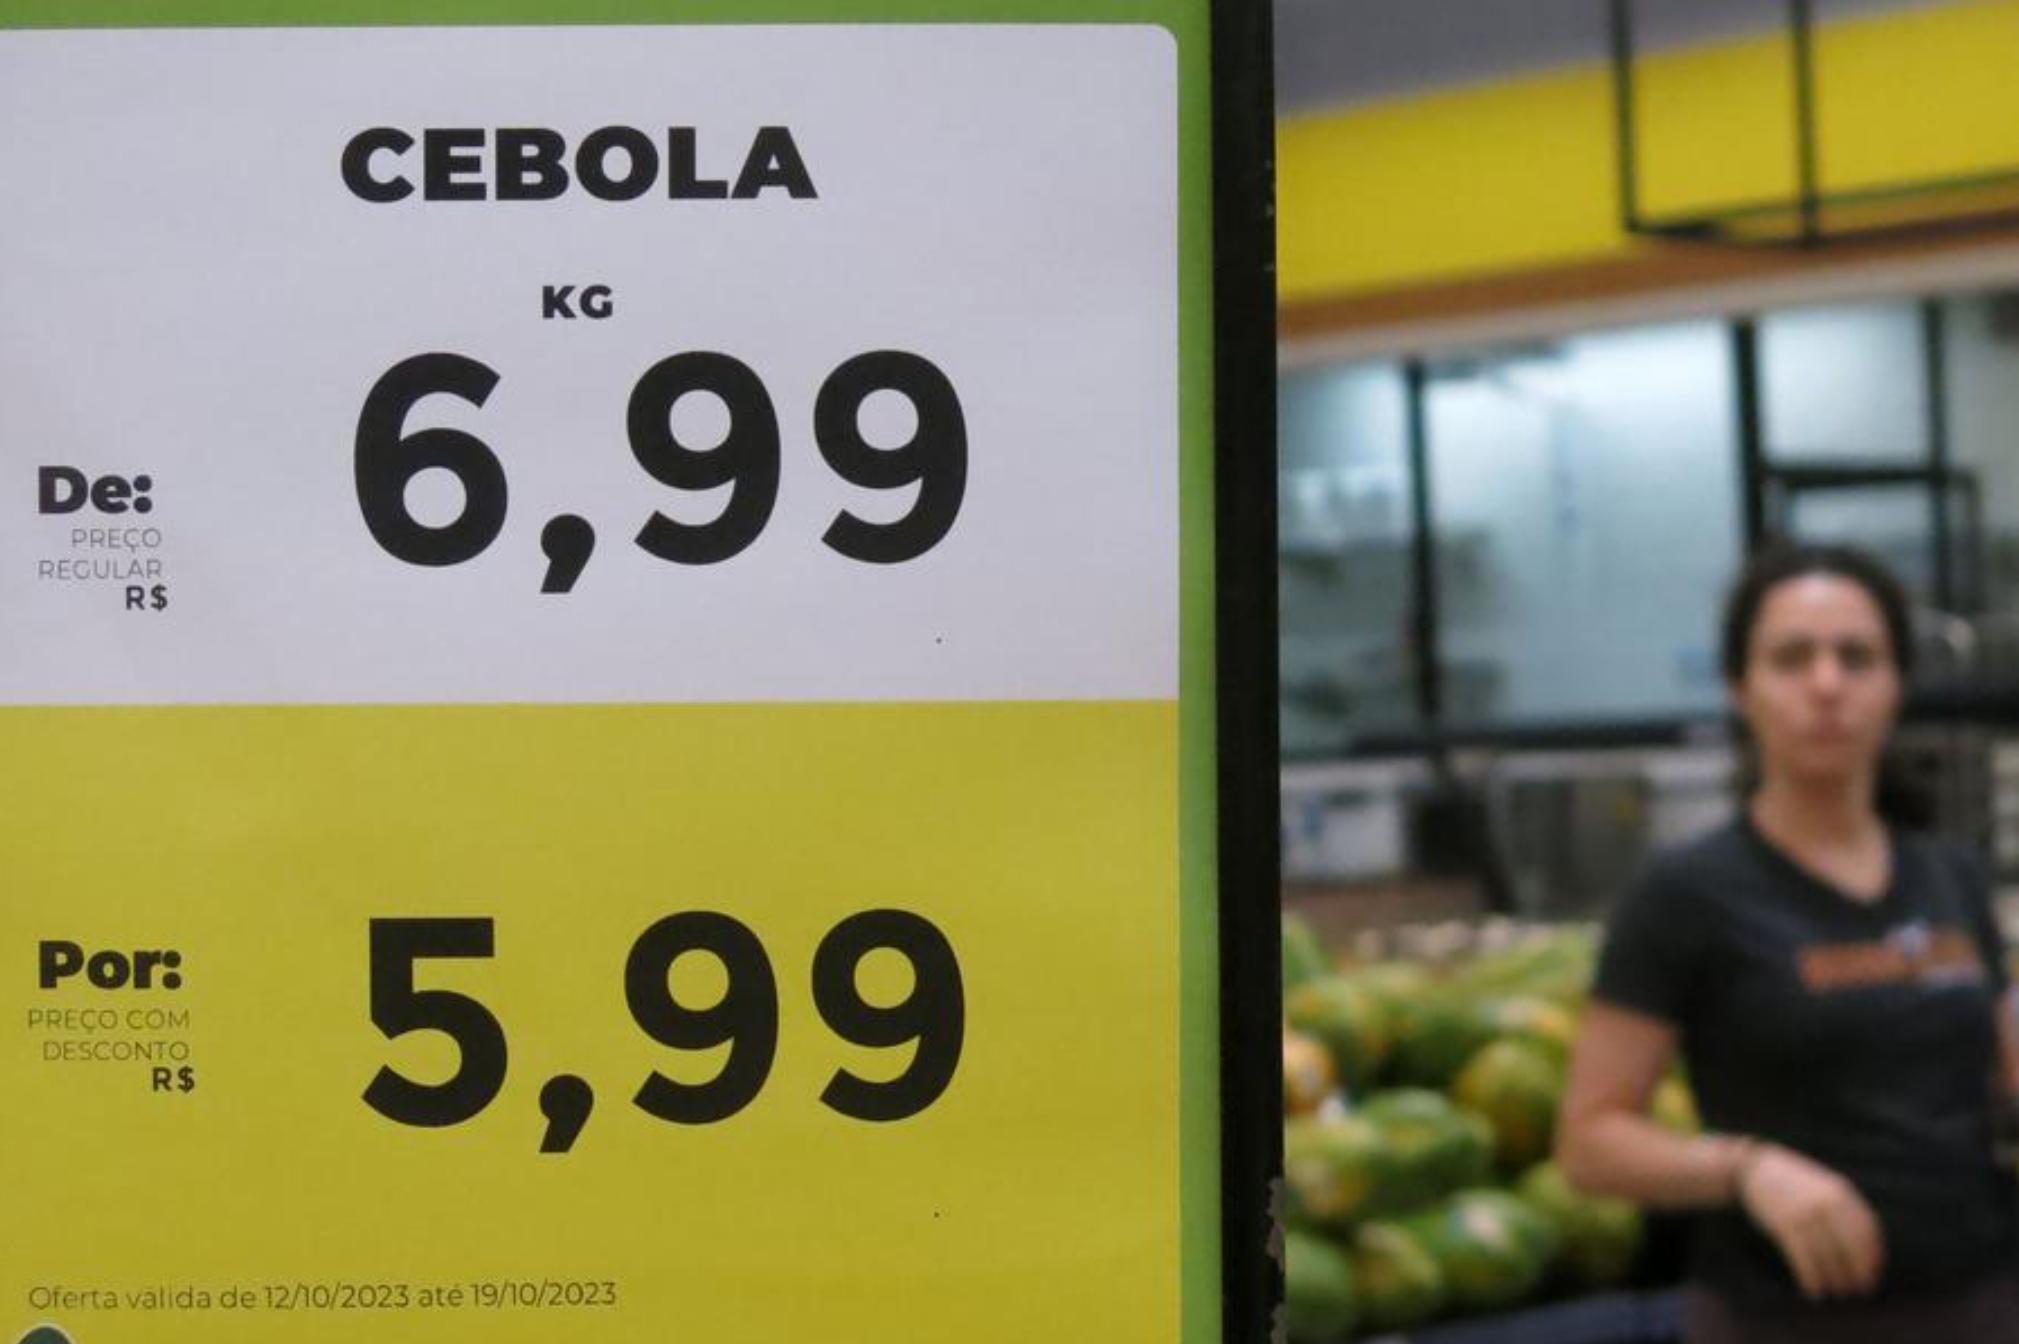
(1673, 1108)
(1436, 1147)
(1532, 1018)
(1435, 1035)
(1491, 1249)
(1556, 966)
(1396, 983)
(1479, 1135)
(1533, 1231)
(1349, 1019)
(1601, 1237)
(1403, 1105)
(1396, 1282)
(1318, 1298)
(1304, 956)
(1517, 1086)
(1336, 1171)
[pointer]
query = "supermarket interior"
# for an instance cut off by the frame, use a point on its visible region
(1582, 304)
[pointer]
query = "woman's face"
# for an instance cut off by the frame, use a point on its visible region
(1821, 688)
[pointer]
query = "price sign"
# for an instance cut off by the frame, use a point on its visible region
(607, 676)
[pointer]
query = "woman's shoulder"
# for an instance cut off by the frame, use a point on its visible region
(1705, 863)
(1657, 934)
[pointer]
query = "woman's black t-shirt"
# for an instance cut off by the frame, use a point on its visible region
(1859, 1034)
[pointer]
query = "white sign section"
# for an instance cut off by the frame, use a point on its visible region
(588, 364)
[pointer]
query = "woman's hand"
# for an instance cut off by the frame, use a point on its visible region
(1821, 1223)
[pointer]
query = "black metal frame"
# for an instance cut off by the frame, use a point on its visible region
(1775, 486)
(1250, 816)
(1424, 616)
(1812, 216)
(1745, 342)
(1947, 488)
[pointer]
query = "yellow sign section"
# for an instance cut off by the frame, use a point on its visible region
(189, 1053)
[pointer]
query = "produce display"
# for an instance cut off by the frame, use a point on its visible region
(1422, 1095)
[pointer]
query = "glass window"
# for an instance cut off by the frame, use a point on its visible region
(1586, 504)
(1587, 515)
(1344, 550)
(1844, 383)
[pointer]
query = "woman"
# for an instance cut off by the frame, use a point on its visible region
(1835, 987)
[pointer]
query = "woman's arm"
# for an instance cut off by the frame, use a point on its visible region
(1605, 1141)
(1606, 1144)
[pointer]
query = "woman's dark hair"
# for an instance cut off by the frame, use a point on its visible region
(1783, 560)
(1899, 800)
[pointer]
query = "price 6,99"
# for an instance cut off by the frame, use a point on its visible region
(745, 1018)
(748, 460)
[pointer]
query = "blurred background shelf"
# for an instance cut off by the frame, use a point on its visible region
(1613, 1318)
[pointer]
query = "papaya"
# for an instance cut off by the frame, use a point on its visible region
(1336, 1172)
(1491, 1249)
(1517, 1085)
(1600, 1237)
(1673, 1108)
(1308, 1074)
(1530, 1017)
(1318, 1298)
(1396, 1282)
(1435, 1034)
(1349, 1019)
(1436, 1147)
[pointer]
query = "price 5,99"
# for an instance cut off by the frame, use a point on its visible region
(748, 460)
(745, 1018)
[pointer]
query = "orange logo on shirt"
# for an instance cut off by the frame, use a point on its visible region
(1913, 954)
